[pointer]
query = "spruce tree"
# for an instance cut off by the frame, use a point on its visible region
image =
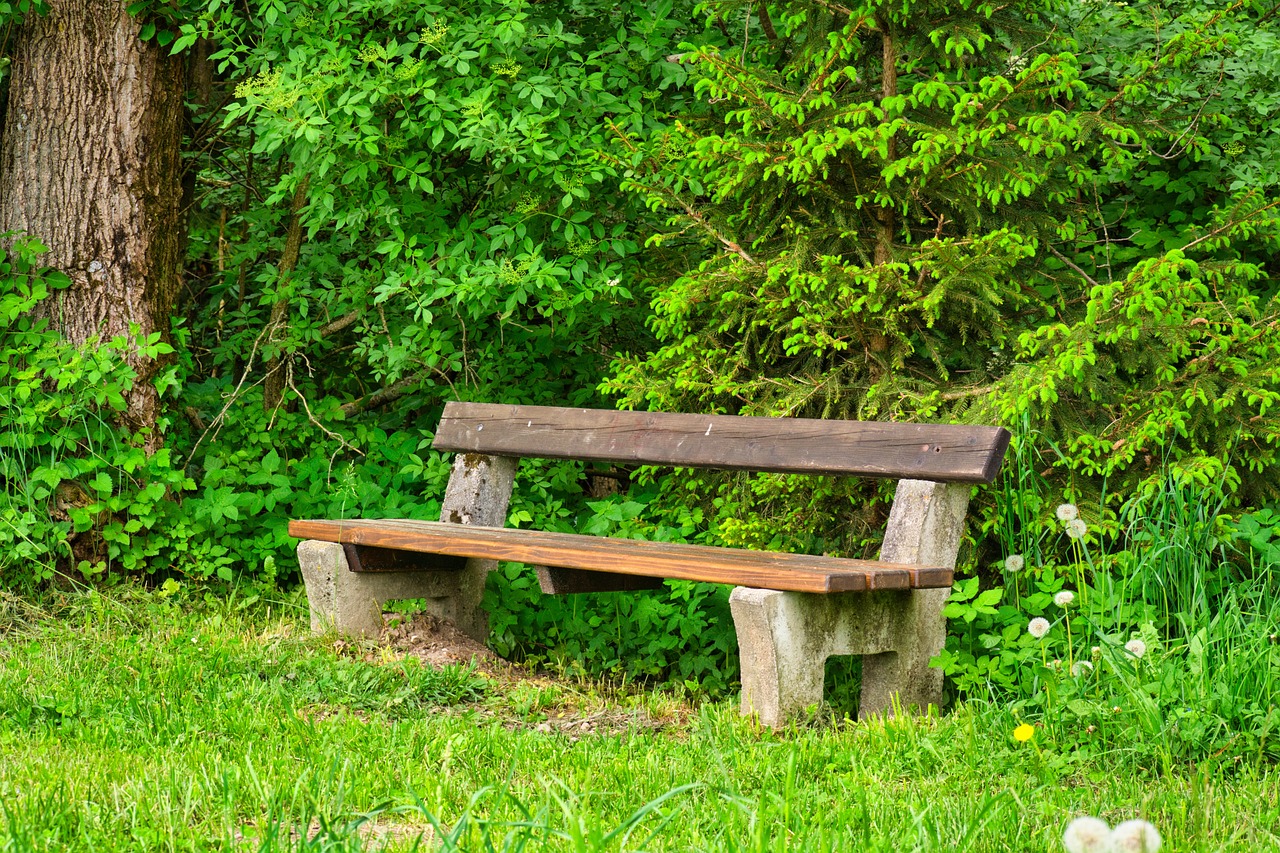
(868, 182)
(927, 211)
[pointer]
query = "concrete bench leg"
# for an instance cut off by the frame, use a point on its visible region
(351, 602)
(785, 638)
(904, 676)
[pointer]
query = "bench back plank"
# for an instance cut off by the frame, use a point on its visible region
(938, 452)
(762, 569)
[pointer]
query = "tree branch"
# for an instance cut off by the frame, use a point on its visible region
(273, 391)
(766, 23)
(339, 324)
(1069, 263)
(380, 398)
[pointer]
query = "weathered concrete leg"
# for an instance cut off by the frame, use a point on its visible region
(351, 602)
(785, 638)
(925, 528)
(479, 492)
(904, 674)
(780, 675)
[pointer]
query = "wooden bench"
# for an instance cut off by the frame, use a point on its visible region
(791, 611)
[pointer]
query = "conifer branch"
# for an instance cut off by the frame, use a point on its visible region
(1073, 266)
(1227, 226)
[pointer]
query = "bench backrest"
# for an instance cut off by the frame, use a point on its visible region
(938, 452)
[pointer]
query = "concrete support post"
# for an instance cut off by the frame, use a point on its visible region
(925, 527)
(785, 638)
(351, 602)
(479, 492)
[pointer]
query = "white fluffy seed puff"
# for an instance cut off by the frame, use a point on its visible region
(1067, 512)
(1064, 598)
(1135, 836)
(1014, 563)
(1038, 627)
(1136, 647)
(1087, 835)
(1092, 835)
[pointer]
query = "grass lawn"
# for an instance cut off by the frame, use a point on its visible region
(129, 721)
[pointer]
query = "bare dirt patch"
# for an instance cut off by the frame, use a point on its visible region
(524, 699)
(436, 642)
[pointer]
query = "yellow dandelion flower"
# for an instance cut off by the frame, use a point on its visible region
(1024, 732)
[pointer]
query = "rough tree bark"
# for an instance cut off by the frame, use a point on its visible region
(886, 218)
(90, 164)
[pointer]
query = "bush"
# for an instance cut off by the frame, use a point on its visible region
(78, 493)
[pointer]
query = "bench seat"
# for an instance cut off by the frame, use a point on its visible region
(759, 569)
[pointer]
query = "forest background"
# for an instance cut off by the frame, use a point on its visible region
(1060, 217)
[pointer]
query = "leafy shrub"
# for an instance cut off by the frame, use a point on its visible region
(681, 633)
(463, 235)
(77, 492)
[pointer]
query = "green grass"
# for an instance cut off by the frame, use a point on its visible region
(133, 722)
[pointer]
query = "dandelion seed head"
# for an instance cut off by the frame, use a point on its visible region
(1064, 598)
(1136, 647)
(1014, 563)
(1067, 512)
(1038, 627)
(1081, 667)
(1076, 528)
(1135, 836)
(1087, 835)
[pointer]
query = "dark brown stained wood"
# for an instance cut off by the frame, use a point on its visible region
(763, 569)
(929, 577)
(362, 558)
(555, 580)
(940, 452)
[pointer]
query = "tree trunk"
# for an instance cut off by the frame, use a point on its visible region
(278, 325)
(90, 165)
(885, 216)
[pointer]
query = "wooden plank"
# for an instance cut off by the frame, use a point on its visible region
(939, 452)
(557, 580)
(763, 569)
(363, 558)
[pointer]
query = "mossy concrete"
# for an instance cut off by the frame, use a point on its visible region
(785, 638)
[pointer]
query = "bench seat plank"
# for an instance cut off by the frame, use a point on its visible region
(760, 569)
(939, 452)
